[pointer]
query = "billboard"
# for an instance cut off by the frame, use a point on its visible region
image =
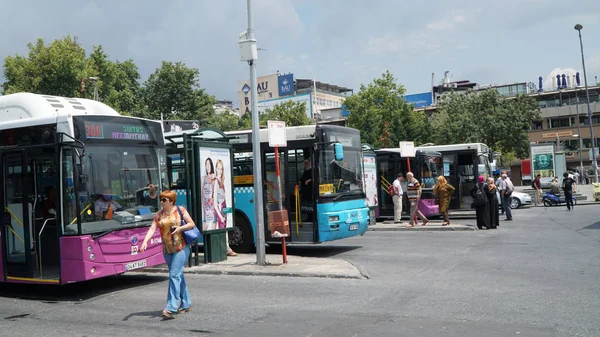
(370, 185)
(217, 191)
(269, 104)
(285, 84)
(419, 100)
(180, 125)
(542, 162)
(266, 88)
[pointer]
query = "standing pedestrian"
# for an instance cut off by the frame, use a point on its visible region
(480, 201)
(175, 250)
(569, 186)
(537, 186)
(491, 190)
(507, 189)
(397, 198)
(499, 187)
(443, 191)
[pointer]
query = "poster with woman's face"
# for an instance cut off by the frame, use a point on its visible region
(217, 192)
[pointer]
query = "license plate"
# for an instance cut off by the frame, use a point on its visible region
(353, 227)
(135, 265)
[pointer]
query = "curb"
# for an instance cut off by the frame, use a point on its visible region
(361, 269)
(422, 229)
(363, 274)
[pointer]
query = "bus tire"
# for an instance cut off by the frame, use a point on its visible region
(241, 238)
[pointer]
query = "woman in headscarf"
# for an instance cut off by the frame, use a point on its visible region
(490, 190)
(481, 203)
(443, 191)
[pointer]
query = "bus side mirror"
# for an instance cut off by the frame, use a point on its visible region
(338, 150)
(81, 178)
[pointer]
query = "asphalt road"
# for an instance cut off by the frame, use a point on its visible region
(535, 276)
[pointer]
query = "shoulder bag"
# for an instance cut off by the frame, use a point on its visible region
(190, 236)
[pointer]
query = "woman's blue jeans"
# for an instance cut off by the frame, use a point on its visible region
(177, 286)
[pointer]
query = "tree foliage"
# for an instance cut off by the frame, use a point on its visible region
(174, 90)
(382, 115)
(54, 69)
(291, 112)
(485, 117)
(226, 121)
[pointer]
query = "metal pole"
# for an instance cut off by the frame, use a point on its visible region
(579, 27)
(95, 90)
(580, 139)
(258, 181)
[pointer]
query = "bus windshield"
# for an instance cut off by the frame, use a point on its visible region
(120, 187)
(341, 178)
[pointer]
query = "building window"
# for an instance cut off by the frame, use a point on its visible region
(537, 125)
(559, 122)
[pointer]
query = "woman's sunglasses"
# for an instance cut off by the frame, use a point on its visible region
(164, 200)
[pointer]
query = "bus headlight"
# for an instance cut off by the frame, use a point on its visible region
(334, 218)
(92, 256)
(89, 248)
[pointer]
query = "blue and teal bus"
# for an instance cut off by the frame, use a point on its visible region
(324, 197)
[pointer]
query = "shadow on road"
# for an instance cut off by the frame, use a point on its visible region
(78, 291)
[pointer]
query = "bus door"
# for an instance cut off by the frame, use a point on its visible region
(18, 246)
(301, 195)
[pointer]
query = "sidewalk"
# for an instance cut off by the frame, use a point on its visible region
(433, 225)
(297, 266)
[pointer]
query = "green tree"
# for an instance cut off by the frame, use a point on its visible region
(225, 121)
(384, 118)
(118, 82)
(245, 122)
(54, 69)
(486, 117)
(291, 112)
(174, 90)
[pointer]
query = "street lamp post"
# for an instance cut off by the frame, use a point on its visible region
(580, 142)
(578, 28)
(249, 53)
(95, 80)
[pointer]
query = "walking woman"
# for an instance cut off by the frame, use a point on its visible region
(443, 191)
(175, 250)
(490, 190)
(481, 203)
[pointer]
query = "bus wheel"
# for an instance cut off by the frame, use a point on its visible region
(240, 238)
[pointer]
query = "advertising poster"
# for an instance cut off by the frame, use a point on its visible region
(217, 191)
(370, 172)
(542, 162)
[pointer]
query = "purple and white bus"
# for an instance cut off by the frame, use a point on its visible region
(76, 183)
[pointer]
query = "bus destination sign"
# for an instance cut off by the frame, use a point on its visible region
(99, 130)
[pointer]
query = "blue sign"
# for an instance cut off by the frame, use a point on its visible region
(285, 84)
(344, 111)
(246, 89)
(419, 100)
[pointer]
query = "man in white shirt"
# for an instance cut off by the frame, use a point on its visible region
(507, 189)
(397, 198)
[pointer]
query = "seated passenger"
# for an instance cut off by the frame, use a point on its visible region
(105, 206)
(49, 210)
(555, 187)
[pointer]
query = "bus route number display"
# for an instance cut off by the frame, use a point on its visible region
(115, 131)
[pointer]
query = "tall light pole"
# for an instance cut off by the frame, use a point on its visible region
(578, 28)
(579, 140)
(95, 80)
(249, 53)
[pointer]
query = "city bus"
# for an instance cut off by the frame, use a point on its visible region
(76, 177)
(462, 164)
(324, 197)
(425, 165)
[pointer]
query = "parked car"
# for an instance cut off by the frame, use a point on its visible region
(518, 199)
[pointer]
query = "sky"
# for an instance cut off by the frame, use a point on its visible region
(342, 42)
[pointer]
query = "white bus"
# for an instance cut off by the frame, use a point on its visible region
(75, 176)
(462, 164)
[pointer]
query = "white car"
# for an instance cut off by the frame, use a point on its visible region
(518, 199)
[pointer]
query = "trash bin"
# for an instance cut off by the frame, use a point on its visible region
(596, 191)
(215, 247)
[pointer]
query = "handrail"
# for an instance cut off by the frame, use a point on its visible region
(17, 235)
(40, 244)
(75, 219)
(14, 216)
